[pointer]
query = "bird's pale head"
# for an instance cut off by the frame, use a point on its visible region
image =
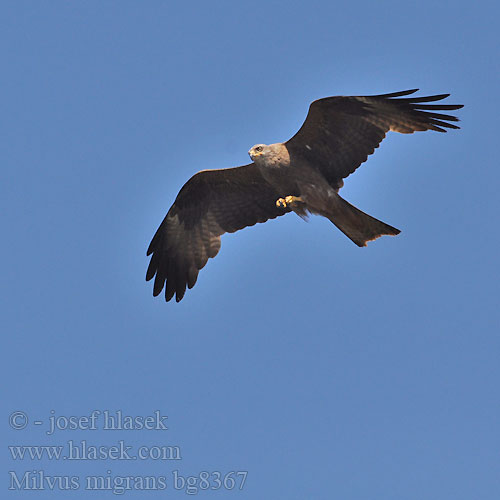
(258, 152)
(270, 155)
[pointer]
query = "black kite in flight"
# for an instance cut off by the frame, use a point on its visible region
(301, 175)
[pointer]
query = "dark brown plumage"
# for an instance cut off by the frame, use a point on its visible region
(302, 175)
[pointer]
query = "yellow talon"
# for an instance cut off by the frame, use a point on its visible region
(288, 200)
(292, 200)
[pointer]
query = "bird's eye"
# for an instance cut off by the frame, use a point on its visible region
(258, 148)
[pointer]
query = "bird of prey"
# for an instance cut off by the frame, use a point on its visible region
(303, 175)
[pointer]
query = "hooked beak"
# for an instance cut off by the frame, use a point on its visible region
(253, 154)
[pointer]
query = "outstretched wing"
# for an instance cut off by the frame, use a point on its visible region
(211, 203)
(340, 132)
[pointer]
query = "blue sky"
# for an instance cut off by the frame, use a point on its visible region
(323, 370)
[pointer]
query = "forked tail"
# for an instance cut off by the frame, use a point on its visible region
(355, 224)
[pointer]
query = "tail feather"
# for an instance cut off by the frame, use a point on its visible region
(357, 225)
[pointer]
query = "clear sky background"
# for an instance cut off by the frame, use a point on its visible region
(324, 370)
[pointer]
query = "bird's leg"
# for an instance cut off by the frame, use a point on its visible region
(289, 201)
